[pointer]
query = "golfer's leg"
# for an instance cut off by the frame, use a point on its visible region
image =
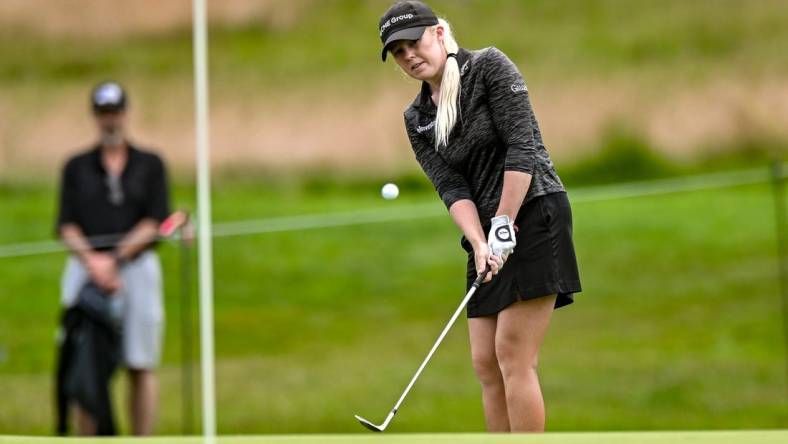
(143, 399)
(482, 334)
(519, 334)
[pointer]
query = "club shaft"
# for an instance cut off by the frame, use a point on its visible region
(440, 338)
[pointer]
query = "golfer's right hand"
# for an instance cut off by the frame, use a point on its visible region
(483, 256)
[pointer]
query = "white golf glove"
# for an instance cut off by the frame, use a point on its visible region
(501, 238)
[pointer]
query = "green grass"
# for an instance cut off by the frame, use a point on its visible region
(726, 437)
(678, 326)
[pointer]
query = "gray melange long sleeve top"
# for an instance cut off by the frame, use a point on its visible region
(496, 131)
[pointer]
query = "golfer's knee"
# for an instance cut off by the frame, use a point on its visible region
(514, 359)
(486, 366)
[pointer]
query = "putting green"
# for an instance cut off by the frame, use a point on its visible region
(705, 437)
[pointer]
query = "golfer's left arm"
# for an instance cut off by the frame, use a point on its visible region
(512, 115)
(515, 187)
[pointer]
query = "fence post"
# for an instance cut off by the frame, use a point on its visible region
(187, 327)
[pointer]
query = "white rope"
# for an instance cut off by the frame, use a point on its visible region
(668, 186)
(434, 209)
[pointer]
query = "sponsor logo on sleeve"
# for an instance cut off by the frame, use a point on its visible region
(427, 127)
(519, 87)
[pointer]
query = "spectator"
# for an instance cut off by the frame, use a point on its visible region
(112, 199)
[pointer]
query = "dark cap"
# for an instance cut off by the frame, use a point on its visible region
(405, 20)
(108, 97)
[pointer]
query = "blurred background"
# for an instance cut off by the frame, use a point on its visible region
(680, 324)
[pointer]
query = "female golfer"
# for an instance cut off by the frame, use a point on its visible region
(475, 135)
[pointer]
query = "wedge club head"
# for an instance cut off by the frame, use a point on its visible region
(368, 424)
(377, 428)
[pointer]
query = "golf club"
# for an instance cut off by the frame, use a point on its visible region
(474, 287)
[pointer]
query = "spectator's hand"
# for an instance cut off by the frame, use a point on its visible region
(103, 270)
(483, 256)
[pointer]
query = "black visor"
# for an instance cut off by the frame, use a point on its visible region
(405, 20)
(405, 34)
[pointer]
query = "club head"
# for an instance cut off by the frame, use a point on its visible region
(368, 424)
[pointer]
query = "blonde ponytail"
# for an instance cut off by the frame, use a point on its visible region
(449, 97)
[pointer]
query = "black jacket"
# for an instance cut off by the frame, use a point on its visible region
(496, 132)
(89, 353)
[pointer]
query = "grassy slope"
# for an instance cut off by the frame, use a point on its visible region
(678, 326)
(602, 43)
(675, 39)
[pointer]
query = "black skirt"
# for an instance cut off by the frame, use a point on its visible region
(543, 262)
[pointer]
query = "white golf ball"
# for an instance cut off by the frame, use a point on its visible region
(389, 191)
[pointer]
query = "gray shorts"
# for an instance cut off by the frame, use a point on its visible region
(140, 305)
